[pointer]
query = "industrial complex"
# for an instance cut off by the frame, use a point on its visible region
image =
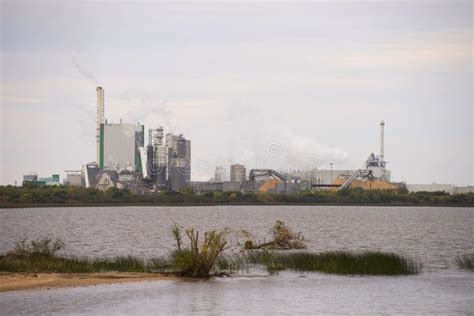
(164, 164)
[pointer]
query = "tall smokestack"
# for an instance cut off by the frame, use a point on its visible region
(381, 141)
(100, 120)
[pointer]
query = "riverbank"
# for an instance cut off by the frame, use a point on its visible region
(11, 197)
(86, 205)
(28, 281)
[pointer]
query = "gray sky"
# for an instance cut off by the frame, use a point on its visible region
(288, 86)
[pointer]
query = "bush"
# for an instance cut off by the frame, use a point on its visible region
(466, 262)
(45, 247)
(198, 260)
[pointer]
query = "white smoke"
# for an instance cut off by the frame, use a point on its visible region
(82, 70)
(263, 141)
(149, 110)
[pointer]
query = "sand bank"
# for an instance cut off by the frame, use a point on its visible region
(27, 281)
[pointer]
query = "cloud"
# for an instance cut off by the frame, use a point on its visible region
(431, 52)
(20, 100)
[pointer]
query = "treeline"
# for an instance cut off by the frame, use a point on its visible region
(32, 196)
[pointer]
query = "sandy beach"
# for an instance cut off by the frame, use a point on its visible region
(28, 281)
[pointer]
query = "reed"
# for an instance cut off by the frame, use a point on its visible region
(466, 262)
(339, 262)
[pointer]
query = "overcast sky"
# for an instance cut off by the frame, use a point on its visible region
(288, 86)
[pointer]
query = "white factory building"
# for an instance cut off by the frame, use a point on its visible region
(119, 146)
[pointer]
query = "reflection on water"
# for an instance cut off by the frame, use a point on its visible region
(442, 292)
(434, 236)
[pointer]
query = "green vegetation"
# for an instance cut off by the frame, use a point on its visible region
(73, 196)
(38, 264)
(344, 263)
(198, 260)
(466, 262)
(205, 258)
(40, 256)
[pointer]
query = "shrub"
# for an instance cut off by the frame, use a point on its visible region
(45, 247)
(466, 262)
(198, 260)
(285, 238)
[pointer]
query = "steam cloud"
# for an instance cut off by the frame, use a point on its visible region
(272, 144)
(158, 112)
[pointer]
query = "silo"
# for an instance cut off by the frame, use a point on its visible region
(181, 148)
(179, 173)
(149, 164)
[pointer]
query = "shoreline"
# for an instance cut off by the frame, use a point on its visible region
(10, 282)
(14, 206)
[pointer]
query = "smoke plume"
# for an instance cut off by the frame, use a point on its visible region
(82, 70)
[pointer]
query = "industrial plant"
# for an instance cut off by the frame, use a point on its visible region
(123, 161)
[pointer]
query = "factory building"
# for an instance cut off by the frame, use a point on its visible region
(119, 145)
(219, 174)
(91, 174)
(74, 178)
(109, 179)
(168, 160)
(377, 164)
(179, 155)
(374, 170)
(30, 177)
(156, 157)
(435, 187)
(205, 186)
(165, 163)
(238, 173)
(53, 180)
(231, 186)
(33, 179)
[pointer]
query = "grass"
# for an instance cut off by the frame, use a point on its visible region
(48, 263)
(343, 263)
(466, 262)
(40, 256)
(203, 258)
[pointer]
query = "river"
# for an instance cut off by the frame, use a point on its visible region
(432, 236)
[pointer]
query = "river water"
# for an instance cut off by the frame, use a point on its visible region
(432, 236)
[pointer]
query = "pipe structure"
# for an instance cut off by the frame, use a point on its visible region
(382, 124)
